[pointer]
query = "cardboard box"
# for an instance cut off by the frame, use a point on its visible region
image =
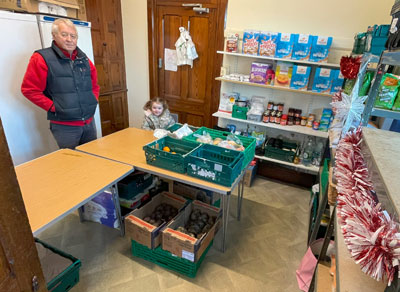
(193, 193)
(186, 246)
(249, 175)
(67, 8)
(18, 5)
(145, 233)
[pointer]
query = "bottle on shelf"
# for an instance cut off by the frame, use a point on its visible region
(308, 152)
(317, 154)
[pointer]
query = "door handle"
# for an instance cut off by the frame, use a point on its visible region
(197, 7)
(159, 63)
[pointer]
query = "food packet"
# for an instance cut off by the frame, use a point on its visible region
(387, 92)
(182, 132)
(234, 141)
(204, 138)
(366, 83)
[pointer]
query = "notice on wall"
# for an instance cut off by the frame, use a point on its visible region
(170, 60)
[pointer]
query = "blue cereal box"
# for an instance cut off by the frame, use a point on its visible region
(320, 48)
(322, 80)
(337, 81)
(250, 42)
(284, 47)
(301, 47)
(268, 41)
(300, 77)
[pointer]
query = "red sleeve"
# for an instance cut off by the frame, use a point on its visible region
(95, 86)
(34, 82)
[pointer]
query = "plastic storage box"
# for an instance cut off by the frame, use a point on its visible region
(215, 164)
(176, 159)
(239, 112)
(284, 153)
(134, 184)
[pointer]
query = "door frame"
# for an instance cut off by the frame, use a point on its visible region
(152, 29)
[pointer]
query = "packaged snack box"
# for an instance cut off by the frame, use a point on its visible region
(387, 92)
(283, 74)
(227, 101)
(267, 46)
(258, 72)
(337, 81)
(300, 77)
(320, 48)
(301, 47)
(232, 43)
(250, 42)
(284, 47)
(322, 80)
(325, 119)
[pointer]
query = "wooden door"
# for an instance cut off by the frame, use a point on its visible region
(192, 93)
(19, 261)
(108, 49)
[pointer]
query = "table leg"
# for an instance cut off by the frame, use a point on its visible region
(240, 198)
(115, 196)
(80, 212)
(225, 218)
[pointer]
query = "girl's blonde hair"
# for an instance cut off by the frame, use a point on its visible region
(159, 100)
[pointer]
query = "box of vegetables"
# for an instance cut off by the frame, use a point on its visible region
(143, 225)
(191, 232)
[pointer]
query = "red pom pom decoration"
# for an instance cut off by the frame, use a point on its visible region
(349, 66)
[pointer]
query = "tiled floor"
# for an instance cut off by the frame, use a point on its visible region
(263, 251)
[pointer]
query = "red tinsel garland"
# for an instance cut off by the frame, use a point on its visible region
(349, 66)
(371, 236)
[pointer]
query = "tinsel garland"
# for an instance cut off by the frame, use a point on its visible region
(371, 235)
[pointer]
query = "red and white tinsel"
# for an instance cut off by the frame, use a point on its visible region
(371, 235)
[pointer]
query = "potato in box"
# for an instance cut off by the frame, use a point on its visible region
(140, 225)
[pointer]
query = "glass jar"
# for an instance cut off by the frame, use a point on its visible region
(303, 121)
(297, 113)
(266, 117)
(278, 117)
(291, 112)
(284, 120)
(297, 121)
(290, 121)
(280, 107)
(270, 105)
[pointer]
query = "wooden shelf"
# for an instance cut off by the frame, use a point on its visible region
(274, 87)
(295, 129)
(280, 59)
(300, 167)
(349, 277)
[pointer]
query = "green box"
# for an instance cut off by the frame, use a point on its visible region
(134, 184)
(281, 154)
(239, 112)
(167, 260)
(69, 277)
(176, 162)
(249, 144)
(215, 164)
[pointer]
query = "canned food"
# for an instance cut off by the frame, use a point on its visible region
(315, 125)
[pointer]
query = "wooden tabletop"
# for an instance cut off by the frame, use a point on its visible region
(127, 146)
(58, 183)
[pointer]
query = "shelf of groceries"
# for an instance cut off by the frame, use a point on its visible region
(273, 87)
(331, 65)
(312, 169)
(297, 129)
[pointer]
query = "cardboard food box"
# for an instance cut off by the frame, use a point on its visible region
(18, 5)
(184, 245)
(67, 8)
(145, 233)
(193, 193)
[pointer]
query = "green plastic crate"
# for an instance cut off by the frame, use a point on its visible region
(167, 260)
(239, 112)
(175, 162)
(69, 277)
(249, 144)
(215, 164)
(177, 126)
(281, 154)
(134, 184)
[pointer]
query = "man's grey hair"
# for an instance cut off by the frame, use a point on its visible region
(67, 22)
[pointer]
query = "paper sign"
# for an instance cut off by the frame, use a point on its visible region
(170, 60)
(188, 255)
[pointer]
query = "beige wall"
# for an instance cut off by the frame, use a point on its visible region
(338, 18)
(134, 25)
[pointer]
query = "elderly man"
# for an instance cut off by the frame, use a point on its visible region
(63, 81)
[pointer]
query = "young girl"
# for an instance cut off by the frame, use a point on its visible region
(156, 115)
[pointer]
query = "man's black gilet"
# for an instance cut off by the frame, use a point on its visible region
(69, 85)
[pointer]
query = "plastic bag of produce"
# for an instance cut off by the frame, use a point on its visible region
(388, 90)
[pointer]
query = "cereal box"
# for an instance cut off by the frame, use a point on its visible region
(322, 80)
(284, 46)
(300, 77)
(250, 42)
(267, 46)
(283, 74)
(320, 48)
(337, 81)
(301, 47)
(232, 43)
(258, 72)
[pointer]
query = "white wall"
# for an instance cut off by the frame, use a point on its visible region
(340, 19)
(134, 24)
